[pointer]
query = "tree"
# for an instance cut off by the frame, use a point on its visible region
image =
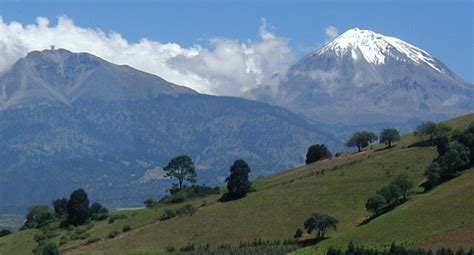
(442, 144)
(389, 135)
(238, 184)
(454, 160)
(361, 139)
(433, 174)
(317, 152)
(391, 193)
(98, 212)
(431, 130)
(60, 206)
(375, 204)
(78, 207)
(181, 168)
(467, 139)
(321, 223)
(405, 184)
(38, 216)
(425, 129)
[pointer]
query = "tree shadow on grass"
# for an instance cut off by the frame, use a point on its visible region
(384, 211)
(311, 241)
(426, 143)
(386, 148)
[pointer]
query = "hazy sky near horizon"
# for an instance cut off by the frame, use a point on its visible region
(214, 45)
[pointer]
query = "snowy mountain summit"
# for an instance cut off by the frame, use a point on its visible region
(362, 77)
(375, 48)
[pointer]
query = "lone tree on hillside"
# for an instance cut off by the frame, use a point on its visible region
(317, 152)
(375, 204)
(389, 135)
(181, 168)
(361, 139)
(321, 223)
(238, 184)
(78, 208)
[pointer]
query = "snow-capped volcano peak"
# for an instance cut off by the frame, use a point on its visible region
(376, 48)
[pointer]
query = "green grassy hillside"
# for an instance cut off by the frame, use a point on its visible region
(282, 202)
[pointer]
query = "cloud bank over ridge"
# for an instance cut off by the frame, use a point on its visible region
(225, 67)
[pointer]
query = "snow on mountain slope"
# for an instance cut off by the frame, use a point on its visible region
(365, 78)
(375, 47)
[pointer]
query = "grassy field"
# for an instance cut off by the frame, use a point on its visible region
(436, 213)
(282, 202)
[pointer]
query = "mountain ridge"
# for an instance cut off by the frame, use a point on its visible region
(60, 76)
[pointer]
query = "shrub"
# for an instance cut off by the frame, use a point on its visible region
(187, 193)
(150, 203)
(93, 240)
(126, 228)
(50, 249)
(167, 214)
(63, 240)
(112, 234)
(101, 214)
(298, 233)
(115, 217)
(186, 210)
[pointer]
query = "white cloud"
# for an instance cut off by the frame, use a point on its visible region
(227, 67)
(330, 33)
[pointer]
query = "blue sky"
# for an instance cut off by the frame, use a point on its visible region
(444, 28)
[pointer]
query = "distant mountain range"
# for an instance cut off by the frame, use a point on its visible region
(71, 120)
(363, 78)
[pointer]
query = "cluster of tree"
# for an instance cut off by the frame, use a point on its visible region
(182, 169)
(75, 211)
(361, 139)
(319, 223)
(390, 196)
(317, 152)
(429, 132)
(394, 250)
(455, 154)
